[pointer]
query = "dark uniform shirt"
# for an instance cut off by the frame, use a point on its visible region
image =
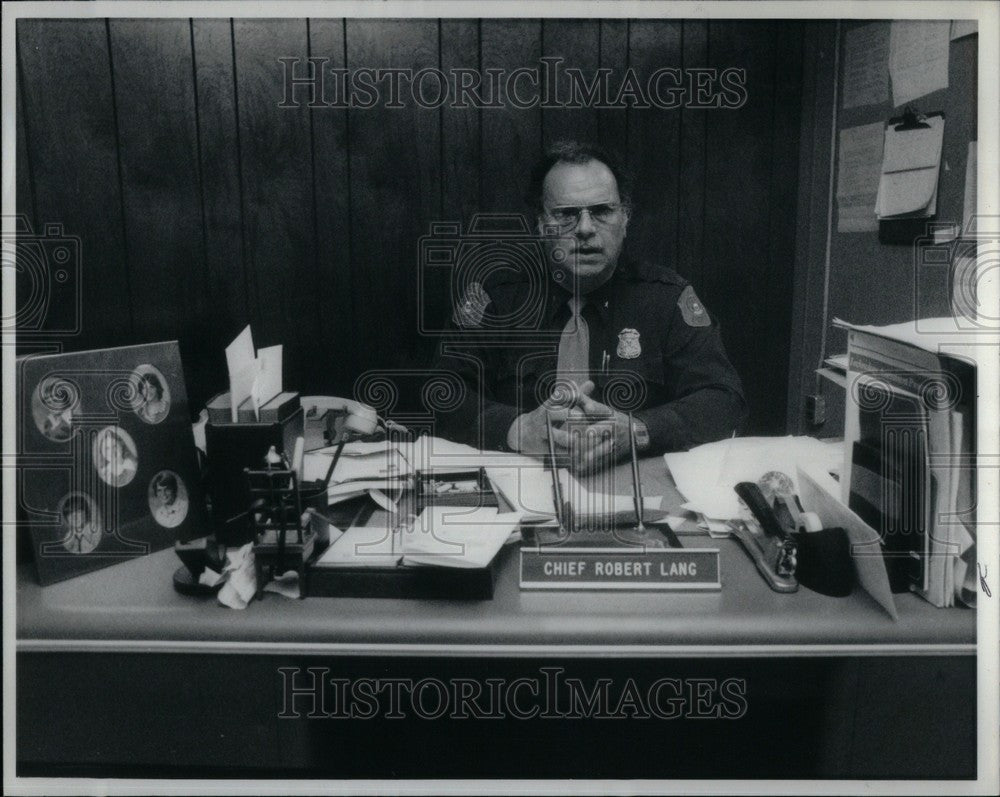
(654, 350)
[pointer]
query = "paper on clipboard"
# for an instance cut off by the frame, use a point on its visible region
(818, 492)
(911, 165)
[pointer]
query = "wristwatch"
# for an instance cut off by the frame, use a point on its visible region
(641, 434)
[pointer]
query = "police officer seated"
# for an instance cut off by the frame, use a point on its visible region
(587, 339)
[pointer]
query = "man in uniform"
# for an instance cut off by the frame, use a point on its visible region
(591, 340)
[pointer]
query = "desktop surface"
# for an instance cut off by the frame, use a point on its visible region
(134, 604)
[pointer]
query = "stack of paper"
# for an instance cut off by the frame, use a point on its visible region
(389, 466)
(708, 474)
(908, 362)
(362, 467)
(453, 537)
(529, 490)
(440, 537)
(254, 377)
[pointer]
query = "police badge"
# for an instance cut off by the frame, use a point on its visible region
(469, 312)
(628, 344)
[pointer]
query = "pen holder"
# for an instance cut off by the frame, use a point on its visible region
(824, 561)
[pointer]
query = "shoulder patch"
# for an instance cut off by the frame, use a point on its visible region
(694, 312)
(471, 309)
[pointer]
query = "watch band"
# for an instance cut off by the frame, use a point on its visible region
(641, 433)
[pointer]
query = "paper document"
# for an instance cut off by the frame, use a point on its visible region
(918, 58)
(911, 166)
(242, 367)
(818, 494)
(708, 474)
(364, 546)
(866, 65)
(859, 165)
(269, 376)
(934, 335)
(435, 455)
(457, 537)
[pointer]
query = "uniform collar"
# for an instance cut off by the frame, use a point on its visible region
(598, 300)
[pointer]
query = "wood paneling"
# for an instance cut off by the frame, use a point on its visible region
(461, 167)
(221, 191)
(612, 123)
(511, 137)
(277, 175)
(69, 108)
(158, 153)
(333, 195)
(395, 156)
(739, 271)
(203, 205)
(654, 145)
(693, 154)
(578, 43)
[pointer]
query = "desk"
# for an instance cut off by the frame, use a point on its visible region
(134, 645)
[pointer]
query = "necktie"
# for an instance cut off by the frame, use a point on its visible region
(574, 346)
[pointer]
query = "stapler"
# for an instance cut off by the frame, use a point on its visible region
(789, 545)
(767, 542)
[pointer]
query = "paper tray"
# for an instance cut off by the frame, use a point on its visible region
(402, 581)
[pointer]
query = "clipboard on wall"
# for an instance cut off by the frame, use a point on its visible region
(911, 166)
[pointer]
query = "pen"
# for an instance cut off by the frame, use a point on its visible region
(556, 491)
(336, 459)
(636, 484)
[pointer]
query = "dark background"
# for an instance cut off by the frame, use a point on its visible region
(202, 206)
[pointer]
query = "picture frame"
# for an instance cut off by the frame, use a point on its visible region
(110, 468)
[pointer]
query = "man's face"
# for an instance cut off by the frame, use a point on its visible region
(596, 239)
(165, 494)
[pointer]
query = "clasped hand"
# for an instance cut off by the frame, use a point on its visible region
(589, 435)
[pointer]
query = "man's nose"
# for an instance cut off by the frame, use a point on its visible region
(585, 226)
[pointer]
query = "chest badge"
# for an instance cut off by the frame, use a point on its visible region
(628, 344)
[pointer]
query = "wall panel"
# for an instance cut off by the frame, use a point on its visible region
(333, 196)
(73, 149)
(221, 191)
(158, 151)
(395, 156)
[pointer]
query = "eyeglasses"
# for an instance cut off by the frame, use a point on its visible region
(567, 217)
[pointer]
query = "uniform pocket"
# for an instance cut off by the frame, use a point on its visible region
(634, 384)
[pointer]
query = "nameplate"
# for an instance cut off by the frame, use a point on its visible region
(615, 568)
